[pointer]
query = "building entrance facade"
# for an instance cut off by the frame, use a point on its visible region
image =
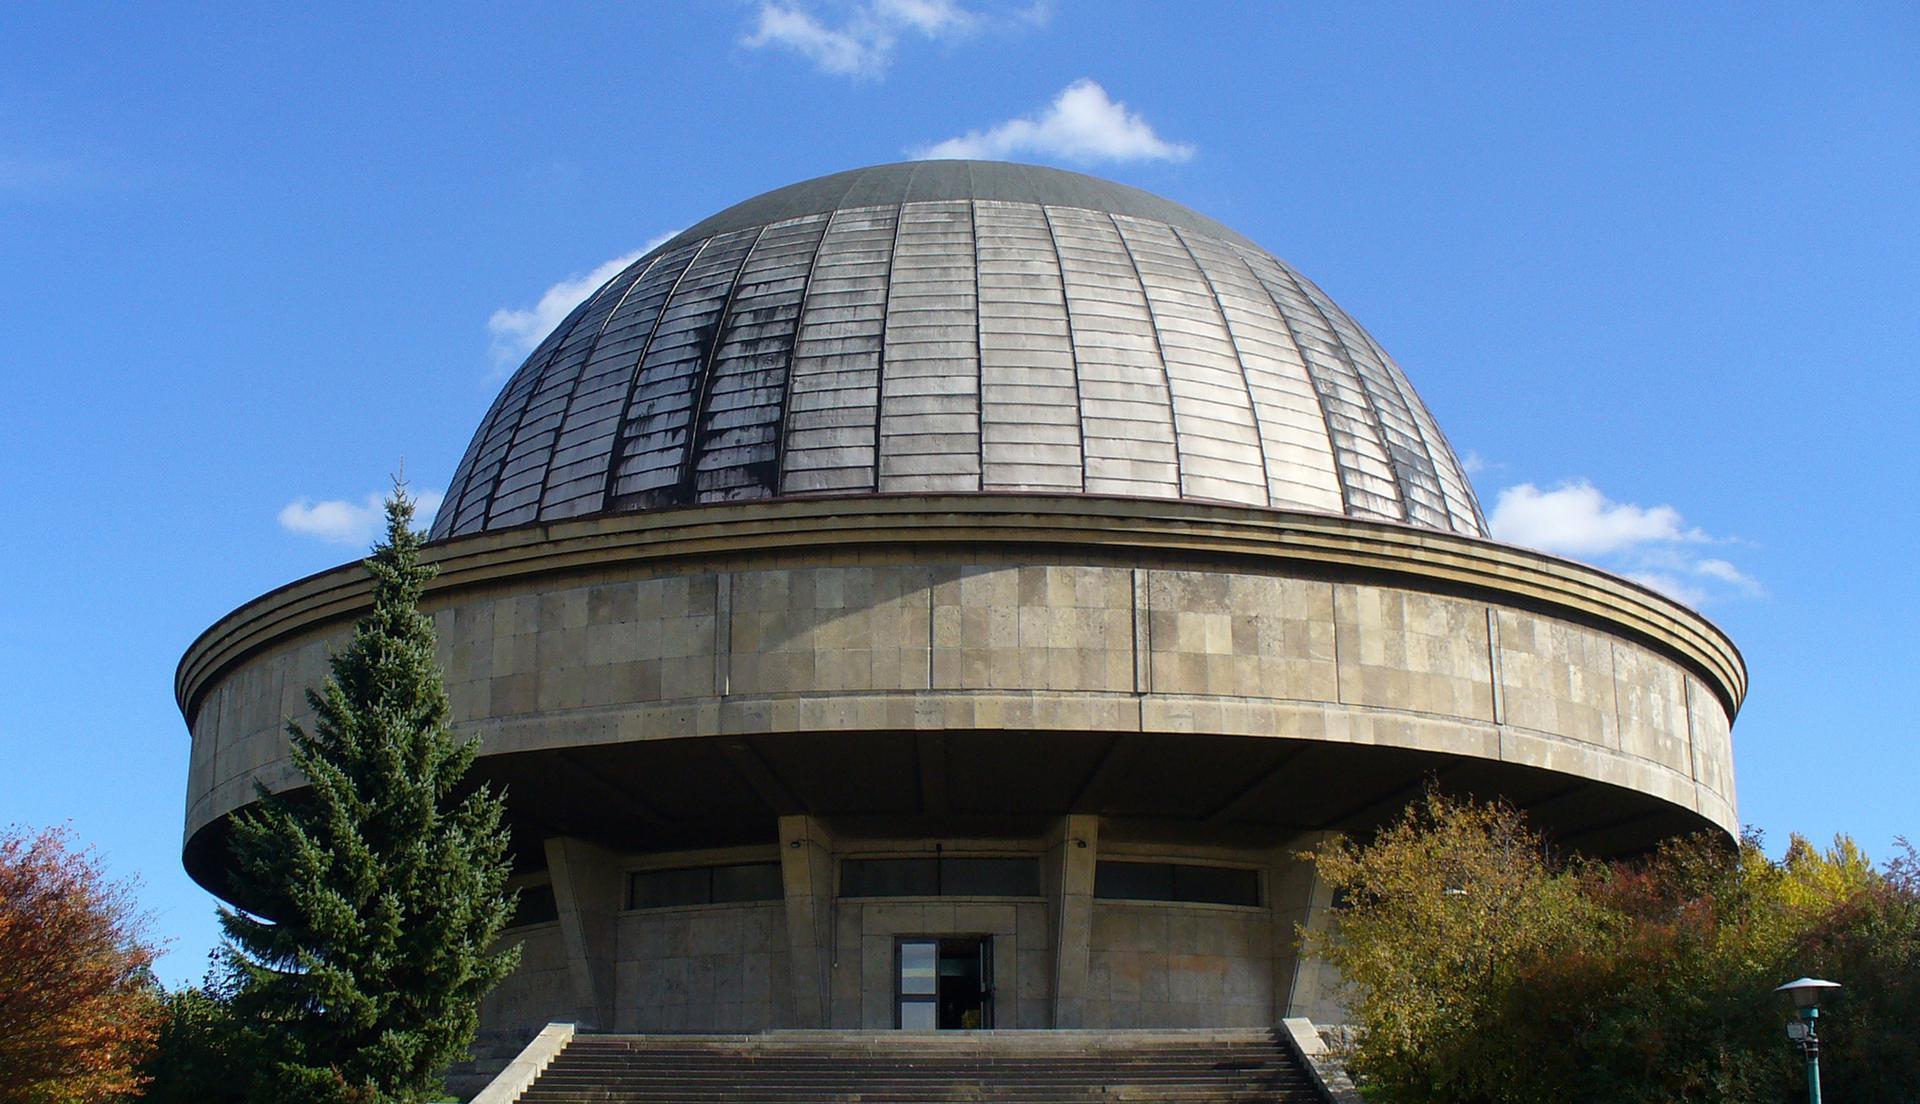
(943, 983)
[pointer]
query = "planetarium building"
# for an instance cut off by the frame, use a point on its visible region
(950, 595)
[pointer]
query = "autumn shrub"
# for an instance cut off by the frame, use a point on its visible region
(1871, 942)
(1484, 968)
(78, 1009)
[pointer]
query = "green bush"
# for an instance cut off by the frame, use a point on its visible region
(1486, 969)
(203, 1055)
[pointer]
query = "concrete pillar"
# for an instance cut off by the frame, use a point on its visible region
(806, 880)
(1070, 866)
(588, 885)
(1302, 986)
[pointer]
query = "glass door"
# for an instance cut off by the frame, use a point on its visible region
(917, 994)
(985, 953)
(943, 984)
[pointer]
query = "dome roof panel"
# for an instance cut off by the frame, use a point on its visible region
(958, 326)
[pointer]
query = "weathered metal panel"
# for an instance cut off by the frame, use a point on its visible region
(577, 474)
(737, 452)
(1029, 393)
(958, 327)
(1126, 415)
(1212, 411)
(833, 412)
(930, 365)
(655, 433)
(1293, 433)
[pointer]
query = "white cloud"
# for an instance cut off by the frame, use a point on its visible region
(1575, 519)
(1082, 124)
(1651, 545)
(932, 18)
(842, 53)
(340, 521)
(863, 43)
(516, 330)
(1731, 575)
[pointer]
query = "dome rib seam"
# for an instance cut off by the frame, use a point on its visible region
(880, 362)
(546, 474)
(618, 452)
(780, 426)
(1160, 348)
(520, 415)
(1073, 347)
(1445, 447)
(1360, 382)
(1226, 327)
(979, 353)
(1306, 369)
(703, 395)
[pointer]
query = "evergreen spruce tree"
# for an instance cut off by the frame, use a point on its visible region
(381, 890)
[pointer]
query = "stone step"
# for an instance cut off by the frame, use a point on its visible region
(571, 1074)
(917, 1091)
(904, 1094)
(998, 1095)
(1007, 1067)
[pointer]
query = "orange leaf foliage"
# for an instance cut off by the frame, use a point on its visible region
(78, 1010)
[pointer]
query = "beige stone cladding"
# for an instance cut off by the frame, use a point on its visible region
(1241, 635)
(523, 1004)
(1559, 678)
(707, 968)
(806, 630)
(1710, 734)
(866, 931)
(964, 625)
(978, 642)
(1033, 627)
(1650, 696)
(1179, 965)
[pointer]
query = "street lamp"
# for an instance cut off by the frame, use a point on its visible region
(1806, 994)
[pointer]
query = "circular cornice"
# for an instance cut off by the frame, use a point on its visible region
(1093, 524)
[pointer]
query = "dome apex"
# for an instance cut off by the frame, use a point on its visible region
(958, 326)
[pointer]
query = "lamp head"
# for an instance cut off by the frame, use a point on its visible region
(1806, 992)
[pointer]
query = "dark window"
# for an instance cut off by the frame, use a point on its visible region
(1199, 885)
(704, 885)
(941, 877)
(1218, 885)
(536, 906)
(666, 888)
(1127, 881)
(990, 877)
(750, 882)
(890, 878)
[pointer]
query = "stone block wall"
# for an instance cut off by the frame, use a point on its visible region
(1180, 965)
(528, 999)
(707, 968)
(997, 644)
(865, 931)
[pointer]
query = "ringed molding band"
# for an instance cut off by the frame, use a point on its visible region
(1077, 521)
(1660, 728)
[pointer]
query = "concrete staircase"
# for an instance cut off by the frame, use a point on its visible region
(858, 1067)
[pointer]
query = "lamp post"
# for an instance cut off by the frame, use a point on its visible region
(1806, 994)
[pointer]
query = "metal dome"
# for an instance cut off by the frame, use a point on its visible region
(958, 326)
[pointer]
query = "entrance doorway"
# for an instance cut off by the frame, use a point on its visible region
(943, 984)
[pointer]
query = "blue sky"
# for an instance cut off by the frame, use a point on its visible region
(1653, 269)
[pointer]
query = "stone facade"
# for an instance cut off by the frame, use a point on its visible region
(731, 967)
(1055, 646)
(1172, 680)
